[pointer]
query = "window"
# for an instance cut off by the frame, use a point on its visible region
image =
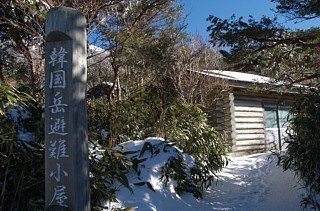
(283, 117)
(271, 117)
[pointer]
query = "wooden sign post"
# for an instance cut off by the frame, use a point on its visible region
(66, 142)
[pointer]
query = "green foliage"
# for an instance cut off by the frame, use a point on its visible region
(138, 116)
(98, 120)
(21, 163)
(304, 144)
(175, 169)
(150, 113)
(185, 177)
(191, 133)
(9, 96)
(127, 119)
(107, 166)
(298, 9)
(267, 47)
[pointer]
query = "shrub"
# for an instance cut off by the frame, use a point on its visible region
(147, 113)
(21, 162)
(176, 167)
(177, 170)
(99, 121)
(191, 133)
(107, 166)
(136, 117)
(303, 155)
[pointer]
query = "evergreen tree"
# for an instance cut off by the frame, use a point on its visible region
(268, 47)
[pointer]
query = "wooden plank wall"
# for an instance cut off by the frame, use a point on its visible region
(249, 127)
(240, 121)
(222, 119)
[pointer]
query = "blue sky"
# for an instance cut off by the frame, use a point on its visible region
(201, 9)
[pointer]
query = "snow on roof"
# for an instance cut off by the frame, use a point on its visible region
(238, 76)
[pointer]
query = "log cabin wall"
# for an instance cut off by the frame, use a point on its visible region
(240, 120)
(249, 127)
(223, 119)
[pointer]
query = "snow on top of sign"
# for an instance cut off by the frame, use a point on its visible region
(238, 76)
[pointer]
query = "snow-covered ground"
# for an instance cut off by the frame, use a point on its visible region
(255, 182)
(252, 182)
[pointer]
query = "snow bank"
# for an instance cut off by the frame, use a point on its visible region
(163, 197)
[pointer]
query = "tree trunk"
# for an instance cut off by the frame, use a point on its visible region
(116, 84)
(119, 88)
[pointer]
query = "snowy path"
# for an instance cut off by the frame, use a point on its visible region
(254, 183)
(283, 193)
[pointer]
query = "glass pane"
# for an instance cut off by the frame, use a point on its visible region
(283, 117)
(271, 117)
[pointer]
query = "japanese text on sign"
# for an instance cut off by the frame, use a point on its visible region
(58, 148)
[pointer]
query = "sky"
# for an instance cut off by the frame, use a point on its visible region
(199, 11)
